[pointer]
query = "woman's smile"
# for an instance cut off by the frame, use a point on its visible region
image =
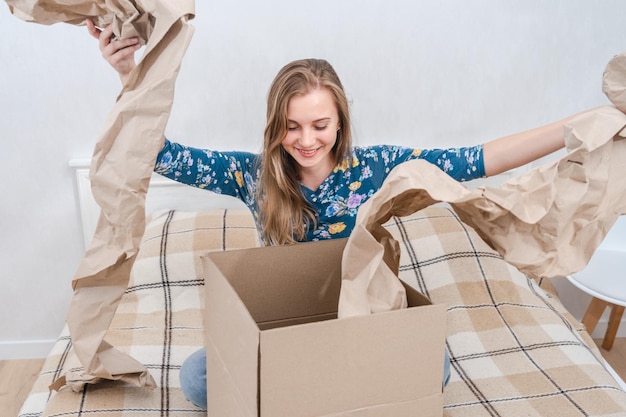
(308, 153)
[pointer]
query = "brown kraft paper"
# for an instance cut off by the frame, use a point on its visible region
(547, 222)
(121, 168)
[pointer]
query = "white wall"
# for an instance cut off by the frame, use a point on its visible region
(425, 73)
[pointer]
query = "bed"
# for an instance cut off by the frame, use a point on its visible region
(515, 350)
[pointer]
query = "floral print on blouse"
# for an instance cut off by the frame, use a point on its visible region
(338, 198)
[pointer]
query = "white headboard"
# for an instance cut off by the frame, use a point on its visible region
(162, 194)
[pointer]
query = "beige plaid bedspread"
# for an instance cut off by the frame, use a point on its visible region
(515, 351)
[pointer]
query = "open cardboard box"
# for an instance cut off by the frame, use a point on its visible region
(275, 347)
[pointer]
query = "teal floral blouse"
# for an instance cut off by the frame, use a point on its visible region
(337, 199)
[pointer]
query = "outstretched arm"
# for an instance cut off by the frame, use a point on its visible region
(119, 53)
(515, 150)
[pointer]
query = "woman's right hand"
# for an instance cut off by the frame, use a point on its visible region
(119, 53)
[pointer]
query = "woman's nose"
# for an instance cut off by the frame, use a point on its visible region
(307, 138)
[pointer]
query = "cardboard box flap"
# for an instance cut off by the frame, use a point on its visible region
(310, 289)
(227, 399)
(341, 365)
(414, 297)
(232, 337)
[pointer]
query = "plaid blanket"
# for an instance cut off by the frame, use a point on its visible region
(515, 350)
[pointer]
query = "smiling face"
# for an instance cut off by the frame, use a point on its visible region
(306, 135)
(313, 122)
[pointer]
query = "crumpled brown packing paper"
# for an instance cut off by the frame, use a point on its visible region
(121, 167)
(547, 222)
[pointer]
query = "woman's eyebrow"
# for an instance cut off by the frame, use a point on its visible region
(323, 119)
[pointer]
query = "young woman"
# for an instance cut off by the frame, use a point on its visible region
(309, 181)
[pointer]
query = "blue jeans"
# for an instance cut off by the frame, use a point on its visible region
(193, 376)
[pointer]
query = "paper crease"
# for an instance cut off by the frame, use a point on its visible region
(122, 165)
(547, 222)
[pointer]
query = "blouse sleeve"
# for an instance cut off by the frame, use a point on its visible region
(462, 164)
(228, 173)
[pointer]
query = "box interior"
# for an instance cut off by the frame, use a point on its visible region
(309, 294)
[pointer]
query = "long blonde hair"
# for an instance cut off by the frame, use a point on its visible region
(284, 212)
